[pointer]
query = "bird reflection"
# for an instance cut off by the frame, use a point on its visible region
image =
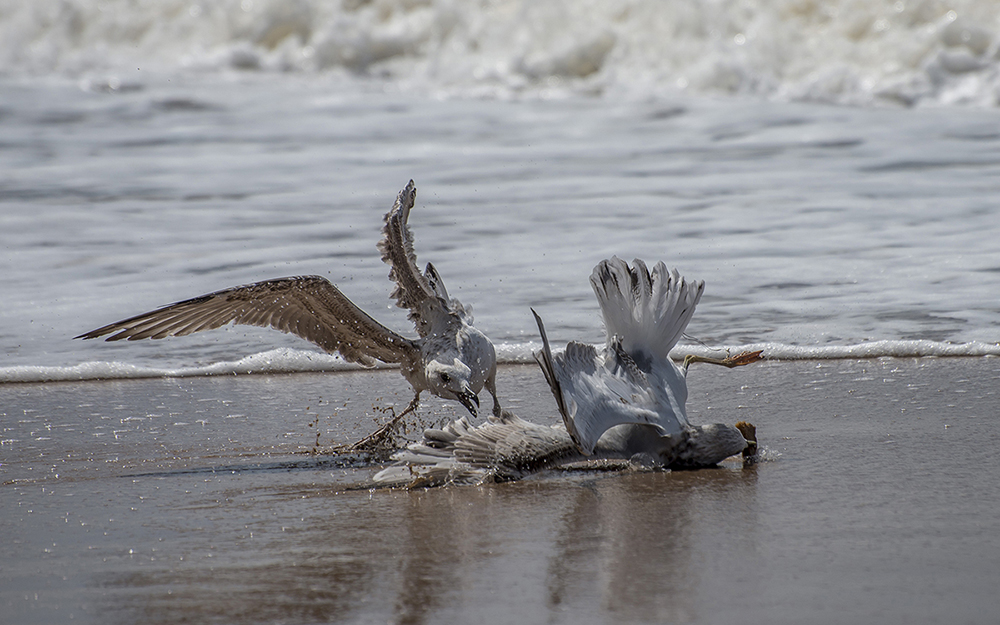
(641, 542)
(641, 546)
(562, 546)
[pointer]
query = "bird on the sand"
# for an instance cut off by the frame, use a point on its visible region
(450, 358)
(624, 401)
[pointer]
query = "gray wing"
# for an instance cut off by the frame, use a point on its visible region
(423, 294)
(308, 306)
(513, 447)
(507, 449)
(597, 391)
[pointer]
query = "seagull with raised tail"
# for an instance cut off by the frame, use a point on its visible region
(450, 358)
(624, 401)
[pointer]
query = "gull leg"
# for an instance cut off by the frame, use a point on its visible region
(380, 436)
(491, 386)
(738, 360)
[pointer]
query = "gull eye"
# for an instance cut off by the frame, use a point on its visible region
(445, 378)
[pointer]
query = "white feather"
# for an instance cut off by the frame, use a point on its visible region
(632, 379)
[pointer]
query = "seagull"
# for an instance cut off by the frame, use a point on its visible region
(625, 401)
(450, 358)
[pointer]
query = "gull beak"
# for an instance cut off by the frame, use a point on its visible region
(470, 400)
(749, 433)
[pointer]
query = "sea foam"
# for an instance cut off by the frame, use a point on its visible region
(286, 360)
(281, 360)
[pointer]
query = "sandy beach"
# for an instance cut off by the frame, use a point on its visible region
(202, 500)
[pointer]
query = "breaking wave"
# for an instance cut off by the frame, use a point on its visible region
(285, 360)
(840, 51)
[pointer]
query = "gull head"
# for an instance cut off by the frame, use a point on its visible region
(710, 444)
(452, 380)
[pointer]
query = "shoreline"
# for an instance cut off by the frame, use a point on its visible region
(284, 361)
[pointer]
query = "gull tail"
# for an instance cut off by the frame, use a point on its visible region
(648, 311)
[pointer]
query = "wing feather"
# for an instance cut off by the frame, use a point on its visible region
(209, 322)
(513, 447)
(414, 290)
(544, 359)
(308, 306)
(500, 450)
(595, 392)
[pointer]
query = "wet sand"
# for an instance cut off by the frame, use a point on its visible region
(200, 500)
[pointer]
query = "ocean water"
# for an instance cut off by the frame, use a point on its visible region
(821, 231)
(831, 170)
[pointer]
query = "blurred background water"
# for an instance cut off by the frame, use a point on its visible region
(831, 170)
(836, 51)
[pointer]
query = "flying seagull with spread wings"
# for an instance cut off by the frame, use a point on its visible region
(623, 401)
(450, 358)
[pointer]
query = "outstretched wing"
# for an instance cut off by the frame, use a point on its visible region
(423, 294)
(499, 450)
(307, 306)
(648, 311)
(597, 391)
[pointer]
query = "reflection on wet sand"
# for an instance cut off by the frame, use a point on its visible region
(431, 556)
(279, 570)
(635, 541)
(625, 544)
(638, 546)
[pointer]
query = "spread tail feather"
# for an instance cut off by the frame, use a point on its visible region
(647, 310)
